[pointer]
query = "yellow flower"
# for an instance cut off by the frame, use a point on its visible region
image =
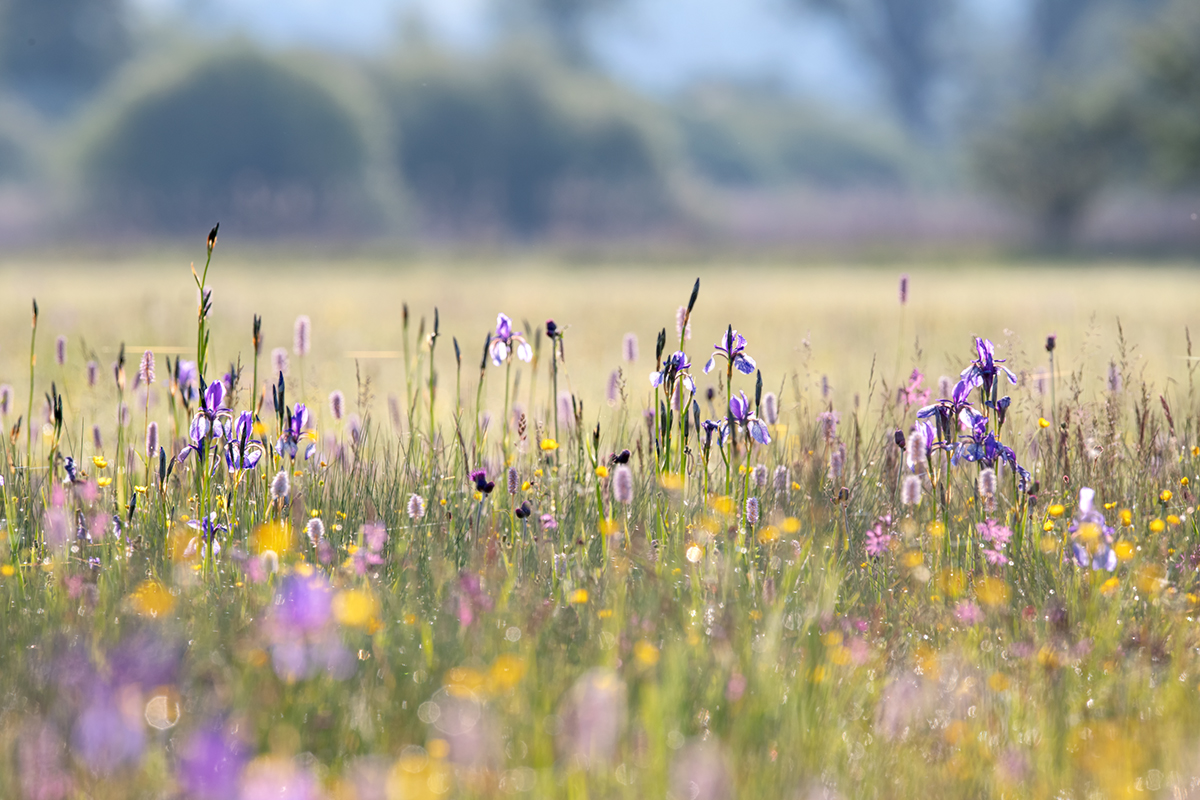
(992, 592)
(1126, 517)
(537, 473)
(601, 471)
(1043, 422)
(1196, 451)
(506, 672)
(578, 597)
(1165, 495)
(8, 570)
(1157, 526)
(356, 608)
(525, 487)
(1109, 586)
(721, 504)
(151, 599)
(105, 481)
(768, 535)
(1047, 526)
(478, 495)
(1172, 519)
(549, 445)
(645, 653)
(1183, 481)
(1057, 510)
(100, 462)
(273, 536)
(791, 525)
(1124, 550)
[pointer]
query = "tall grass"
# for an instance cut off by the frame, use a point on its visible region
(360, 613)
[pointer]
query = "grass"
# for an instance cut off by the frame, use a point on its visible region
(662, 640)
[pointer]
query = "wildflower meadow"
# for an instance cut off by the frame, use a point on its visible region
(619, 542)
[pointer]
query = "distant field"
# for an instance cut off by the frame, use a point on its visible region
(809, 319)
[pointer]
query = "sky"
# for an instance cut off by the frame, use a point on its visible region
(657, 45)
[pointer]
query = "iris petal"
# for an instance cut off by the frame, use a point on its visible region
(708, 366)
(744, 364)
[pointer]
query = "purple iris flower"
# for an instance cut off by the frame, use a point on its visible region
(979, 445)
(207, 529)
(108, 734)
(732, 348)
(507, 341)
(1098, 553)
(293, 431)
(211, 762)
(242, 452)
(304, 603)
(739, 409)
(674, 368)
(188, 380)
(720, 427)
(210, 422)
(947, 411)
(983, 370)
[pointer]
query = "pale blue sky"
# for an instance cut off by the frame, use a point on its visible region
(659, 45)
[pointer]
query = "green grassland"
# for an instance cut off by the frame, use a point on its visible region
(668, 639)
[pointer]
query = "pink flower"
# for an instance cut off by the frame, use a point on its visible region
(878, 541)
(995, 557)
(993, 532)
(968, 613)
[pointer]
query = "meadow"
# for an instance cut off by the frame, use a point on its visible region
(942, 543)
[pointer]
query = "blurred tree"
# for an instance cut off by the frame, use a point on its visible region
(563, 24)
(1063, 132)
(512, 146)
(236, 136)
(1168, 100)
(1050, 157)
(735, 136)
(54, 52)
(903, 39)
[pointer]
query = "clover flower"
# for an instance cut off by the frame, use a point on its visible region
(146, 368)
(622, 485)
(315, 530)
(629, 347)
(415, 507)
(302, 335)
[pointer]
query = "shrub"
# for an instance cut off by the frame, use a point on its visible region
(509, 145)
(235, 135)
